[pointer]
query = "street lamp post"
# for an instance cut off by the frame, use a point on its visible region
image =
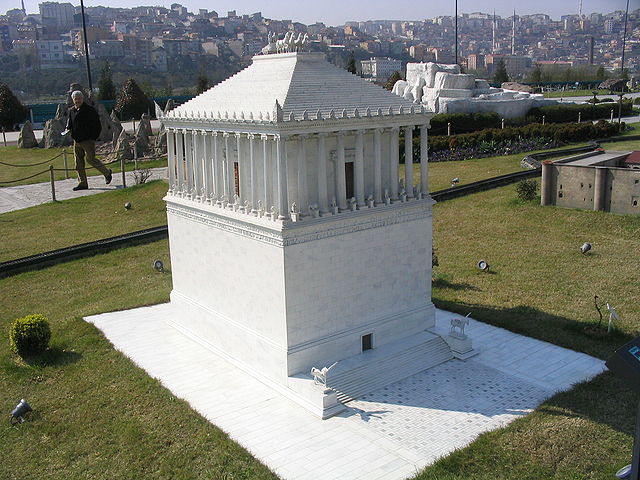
(86, 45)
(593, 109)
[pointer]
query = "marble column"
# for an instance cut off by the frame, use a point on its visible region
(188, 167)
(242, 194)
(207, 165)
(180, 178)
(281, 158)
(358, 169)
(303, 203)
(377, 166)
(408, 161)
(266, 173)
(217, 167)
(226, 169)
(424, 161)
(197, 164)
(254, 174)
(171, 156)
(341, 180)
(323, 197)
(393, 162)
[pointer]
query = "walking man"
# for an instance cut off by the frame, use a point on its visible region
(84, 124)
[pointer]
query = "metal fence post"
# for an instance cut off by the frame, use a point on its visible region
(579, 117)
(124, 178)
(66, 167)
(449, 129)
(503, 123)
(135, 156)
(53, 183)
(543, 118)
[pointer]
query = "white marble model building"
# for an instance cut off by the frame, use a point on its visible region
(294, 241)
(443, 88)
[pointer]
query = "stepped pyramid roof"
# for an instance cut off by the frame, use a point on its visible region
(293, 87)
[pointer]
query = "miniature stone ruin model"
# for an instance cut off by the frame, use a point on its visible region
(297, 252)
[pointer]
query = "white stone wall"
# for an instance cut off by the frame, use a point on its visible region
(231, 288)
(372, 277)
(280, 299)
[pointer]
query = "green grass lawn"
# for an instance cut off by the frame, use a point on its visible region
(51, 156)
(99, 416)
(61, 224)
(542, 286)
(574, 93)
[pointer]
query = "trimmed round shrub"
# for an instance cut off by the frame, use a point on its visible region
(526, 190)
(29, 335)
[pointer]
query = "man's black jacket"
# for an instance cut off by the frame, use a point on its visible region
(84, 123)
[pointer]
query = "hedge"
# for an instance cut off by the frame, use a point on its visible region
(572, 132)
(569, 113)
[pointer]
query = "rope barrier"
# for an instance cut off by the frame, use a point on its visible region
(32, 164)
(25, 178)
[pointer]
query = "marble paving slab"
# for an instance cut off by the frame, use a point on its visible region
(391, 433)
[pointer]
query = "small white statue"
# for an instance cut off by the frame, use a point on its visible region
(457, 326)
(271, 46)
(320, 375)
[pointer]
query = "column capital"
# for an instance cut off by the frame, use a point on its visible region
(214, 133)
(322, 134)
(408, 128)
(394, 129)
(237, 134)
(264, 136)
(184, 131)
(225, 134)
(251, 136)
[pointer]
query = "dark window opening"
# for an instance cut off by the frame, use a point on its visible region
(236, 177)
(348, 173)
(367, 341)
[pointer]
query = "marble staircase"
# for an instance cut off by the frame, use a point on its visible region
(376, 368)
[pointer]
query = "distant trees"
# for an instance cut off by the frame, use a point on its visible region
(536, 74)
(351, 64)
(395, 76)
(11, 109)
(132, 102)
(106, 88)
(500, 75)
(202, 84)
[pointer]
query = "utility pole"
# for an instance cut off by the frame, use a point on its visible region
(513, 34)
(456, 33)
(624, 40)
(86, 46)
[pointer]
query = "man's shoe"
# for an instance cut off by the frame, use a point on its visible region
(107, 177)
(80, 186)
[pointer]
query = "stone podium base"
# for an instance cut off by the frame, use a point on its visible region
(461, 346)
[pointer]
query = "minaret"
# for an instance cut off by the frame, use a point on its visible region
(24, 11)
(513, 34)
(493, 34)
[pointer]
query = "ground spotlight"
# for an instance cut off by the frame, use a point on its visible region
(624, 472)
(585, 247)
(127, 205)
(483, 265)
(158, 265)
(21, 410)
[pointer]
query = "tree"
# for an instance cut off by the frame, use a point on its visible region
(11, 109)
(395, 76)
(600, 75)
(536, 74)
(106, 88)
(500, 75)
(203, 83)
(351, 64)
(132, 102)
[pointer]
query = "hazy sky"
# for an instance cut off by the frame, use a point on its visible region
(336, 12)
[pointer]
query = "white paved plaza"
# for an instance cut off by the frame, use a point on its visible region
(391, 433)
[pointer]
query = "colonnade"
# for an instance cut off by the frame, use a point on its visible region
(249, 171)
